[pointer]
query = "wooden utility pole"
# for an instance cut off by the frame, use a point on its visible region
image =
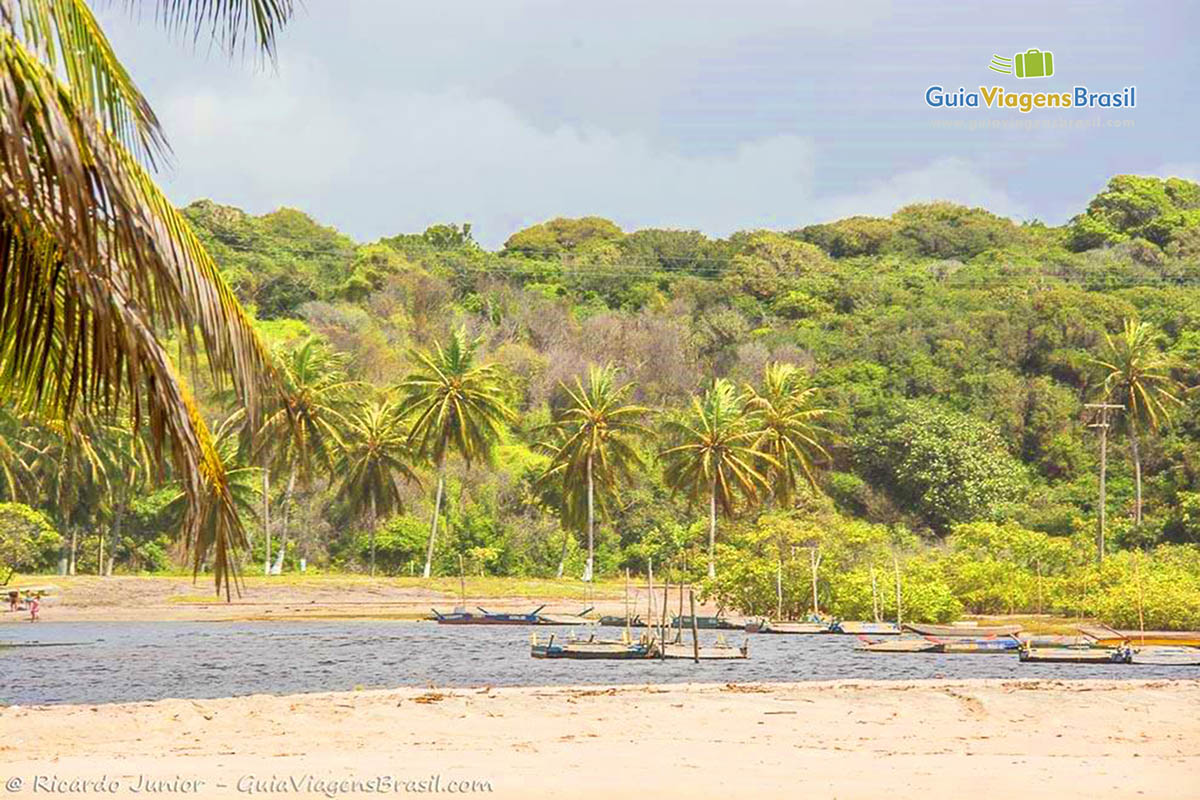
(814, 561)
(1102, 424)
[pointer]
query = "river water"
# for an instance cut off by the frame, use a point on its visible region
(133, 661)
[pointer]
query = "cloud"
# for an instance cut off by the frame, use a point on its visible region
(375, 163)
(954, 179)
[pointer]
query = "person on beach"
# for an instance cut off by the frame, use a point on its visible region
(14, 600)
(34, 606)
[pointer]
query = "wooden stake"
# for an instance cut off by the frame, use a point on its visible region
(814, 558)
(679, 619)
(695, 628)
(779, 589)
(874, 595)
(899, 603)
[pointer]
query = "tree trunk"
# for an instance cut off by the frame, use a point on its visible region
(100, 554)
(437, 509)
(591, 522)
(562, 559)
(266, 498)
(71, 557)
(118, 518)
(283, 528)
(371, 533)
(712, 531)
(1137, 473)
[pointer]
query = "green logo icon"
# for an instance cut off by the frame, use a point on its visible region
(1033, 63)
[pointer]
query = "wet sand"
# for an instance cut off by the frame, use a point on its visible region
(936, 739)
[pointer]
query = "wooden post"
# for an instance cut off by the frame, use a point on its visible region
(779, 589)
(666, 600)
(679, 619)
(1103, 425)
(651, 616)
(628, 621)
(899, 602)
(874, 595)
(462, 580)
(814, 558)
(1038, 564)
(695, 628)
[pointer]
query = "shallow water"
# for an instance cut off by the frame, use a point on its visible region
(131, 661)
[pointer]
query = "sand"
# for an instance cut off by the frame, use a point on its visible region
(814, 740)
(176, 599)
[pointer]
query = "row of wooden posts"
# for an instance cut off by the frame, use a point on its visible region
(663, 627)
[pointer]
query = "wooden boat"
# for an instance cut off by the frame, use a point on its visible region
(904, 644)
(716, 651)
(972, 630)
(1075, 655)
(593, 649)
(866, 628)
(1108, 637)
(709, 623)
(998, 644)
(460, 616)
(1163, 656)
(613, 621)
(565, 619)
(767, 626)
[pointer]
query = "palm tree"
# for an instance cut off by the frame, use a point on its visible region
(457, 406)
(300, 434)
(95, 260)
(593, 443)
(714, 457)
(788, 417)
(374, 457)
(1138, 376)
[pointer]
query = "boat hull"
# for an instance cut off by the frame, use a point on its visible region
(866, 628)
(713, 653)
(972, 631)
(1075, 655)
(593, 651)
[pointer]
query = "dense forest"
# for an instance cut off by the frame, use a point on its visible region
(860, 398)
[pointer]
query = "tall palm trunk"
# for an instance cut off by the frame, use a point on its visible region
(437, 509)
(591, 522)
(266, 498)
(371, 532)
(712, 530)
(71, 557)
(1137, 473)
(562, 558)
(283, 528)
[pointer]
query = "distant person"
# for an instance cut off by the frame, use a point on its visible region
(14, 600)
(35, 605)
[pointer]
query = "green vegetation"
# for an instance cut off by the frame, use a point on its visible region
(864, 396)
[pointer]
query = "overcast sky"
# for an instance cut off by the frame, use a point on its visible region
(385, 116)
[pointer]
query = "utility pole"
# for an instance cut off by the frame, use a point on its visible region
(1102, 423)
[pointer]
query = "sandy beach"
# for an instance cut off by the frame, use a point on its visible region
(835, 740)
(88, 598)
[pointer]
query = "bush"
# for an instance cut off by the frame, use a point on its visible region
(28, 541)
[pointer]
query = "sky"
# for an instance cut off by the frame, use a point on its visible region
(386, 116)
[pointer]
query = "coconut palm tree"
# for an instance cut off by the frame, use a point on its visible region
(593, 443)
(456, 406)
(713, 456)
(1138, 375)
(299, 435)
(374, 457)
(787, 414)
(95, 260)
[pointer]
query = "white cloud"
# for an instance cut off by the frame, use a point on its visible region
(377, 163)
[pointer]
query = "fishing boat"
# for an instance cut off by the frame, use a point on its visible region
(720, 650)
(1109, 637)
(903, 644)
(866, 628)
(636, 621)
(461, 616)
(998, 644)
(1075, 655)
(593, 649)
(1165, 656)
(764, 625)
(717, 622)
(962, 629)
